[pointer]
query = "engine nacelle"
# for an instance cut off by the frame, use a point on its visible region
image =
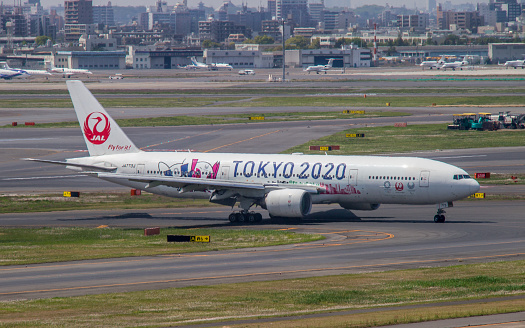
(360, 206)
(290, 203)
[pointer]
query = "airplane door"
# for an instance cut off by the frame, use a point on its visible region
(423, 178)
(225, 173)
(140, 169)
(352, 178)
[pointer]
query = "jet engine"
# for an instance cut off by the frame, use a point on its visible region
(360, 206)
(291, 203)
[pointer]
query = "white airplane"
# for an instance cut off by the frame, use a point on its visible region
(515, 64)
(454, 65)
(433, 63)
(4, 65)
(196, 64)
(217, 66)
(320, 68)
(8, 74)
(68, 72)
(285, 185)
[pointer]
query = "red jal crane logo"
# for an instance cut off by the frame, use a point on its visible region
(97, 128)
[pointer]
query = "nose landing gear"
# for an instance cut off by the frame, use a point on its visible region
(439, 217)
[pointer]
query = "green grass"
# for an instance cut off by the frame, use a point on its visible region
(92, 201)
(389, 139)
(381, 101)
(268, 101)
(225, 119)
(42, 245)
(179, 306)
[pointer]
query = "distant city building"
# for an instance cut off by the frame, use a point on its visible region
(78, 16)
(219, 31)
(467, 20)
(418, 22)
(293, 11)
(104, 15)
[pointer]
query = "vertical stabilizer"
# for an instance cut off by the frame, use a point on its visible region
(102, 134)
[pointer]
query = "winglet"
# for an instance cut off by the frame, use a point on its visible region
(101, 133)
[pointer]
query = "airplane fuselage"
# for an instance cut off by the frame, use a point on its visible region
(339, 179)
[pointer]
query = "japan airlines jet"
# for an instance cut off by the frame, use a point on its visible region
(320, 68)
(4, 65)
(285, 185)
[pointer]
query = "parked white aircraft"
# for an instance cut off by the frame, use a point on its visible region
(8, 74)
(285, 185)
(67, 72)
(433, 63)
(320, 68)
(217, 66)
(454, 65)
(515, 64)
(4, 65)
(195, 64)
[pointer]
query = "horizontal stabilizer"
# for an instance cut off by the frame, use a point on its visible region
(84, 166)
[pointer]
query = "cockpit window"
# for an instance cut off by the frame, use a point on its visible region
(461, 176)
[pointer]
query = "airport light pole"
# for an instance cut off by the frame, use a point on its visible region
(284, 53)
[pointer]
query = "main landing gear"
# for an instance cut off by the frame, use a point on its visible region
(245, 217)
(439, 217)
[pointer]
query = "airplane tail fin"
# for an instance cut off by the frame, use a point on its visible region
(101, 133)
(194, 60)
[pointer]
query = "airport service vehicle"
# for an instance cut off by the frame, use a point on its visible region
(285, 185)
(320, 68)
(117, 76)
(246, 72)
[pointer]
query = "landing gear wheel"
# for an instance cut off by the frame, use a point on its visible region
(439, 218)
(241, 218)
(250, 217)
(258, 217)
(232, 218)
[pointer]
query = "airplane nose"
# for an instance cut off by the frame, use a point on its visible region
(474, 187)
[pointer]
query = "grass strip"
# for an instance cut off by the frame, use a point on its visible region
(263, 101)
(190, 305)
(92, 201)
(389, 139)
(42, 245)
(381, 101)
(280, 91)
(225, 119)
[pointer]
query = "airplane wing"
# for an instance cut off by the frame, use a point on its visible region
(201, 184)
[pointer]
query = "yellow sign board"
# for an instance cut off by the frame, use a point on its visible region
(353, 111)
(200, 239)
(355, 135)
(325, 148)
(257, 118)
(478, 195)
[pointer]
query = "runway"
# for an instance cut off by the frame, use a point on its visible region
(393, 237)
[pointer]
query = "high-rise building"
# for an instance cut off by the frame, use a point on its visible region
(78, 11)
(78, 16)
(295, 12)
(104, 15)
